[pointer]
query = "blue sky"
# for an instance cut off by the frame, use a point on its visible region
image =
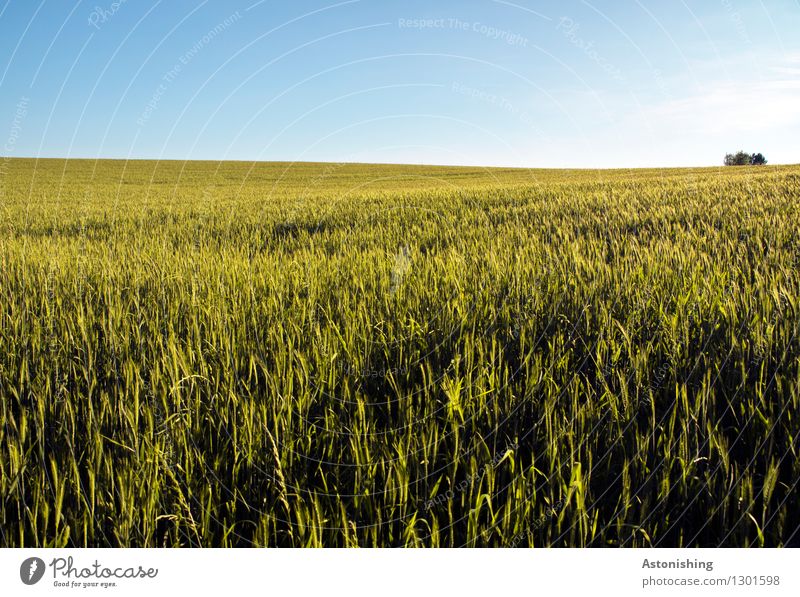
(478, 82)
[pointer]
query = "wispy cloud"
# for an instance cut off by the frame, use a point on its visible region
(751, 103)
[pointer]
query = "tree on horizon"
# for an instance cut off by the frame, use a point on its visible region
(742, 158)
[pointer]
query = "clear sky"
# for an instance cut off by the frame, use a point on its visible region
(481, 82)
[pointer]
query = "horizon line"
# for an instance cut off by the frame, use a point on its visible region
(356, 163)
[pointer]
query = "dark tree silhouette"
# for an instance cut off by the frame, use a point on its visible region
(741, 158)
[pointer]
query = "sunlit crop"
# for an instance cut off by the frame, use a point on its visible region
(206, 354)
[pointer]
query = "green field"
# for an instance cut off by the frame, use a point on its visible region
(237, 354)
